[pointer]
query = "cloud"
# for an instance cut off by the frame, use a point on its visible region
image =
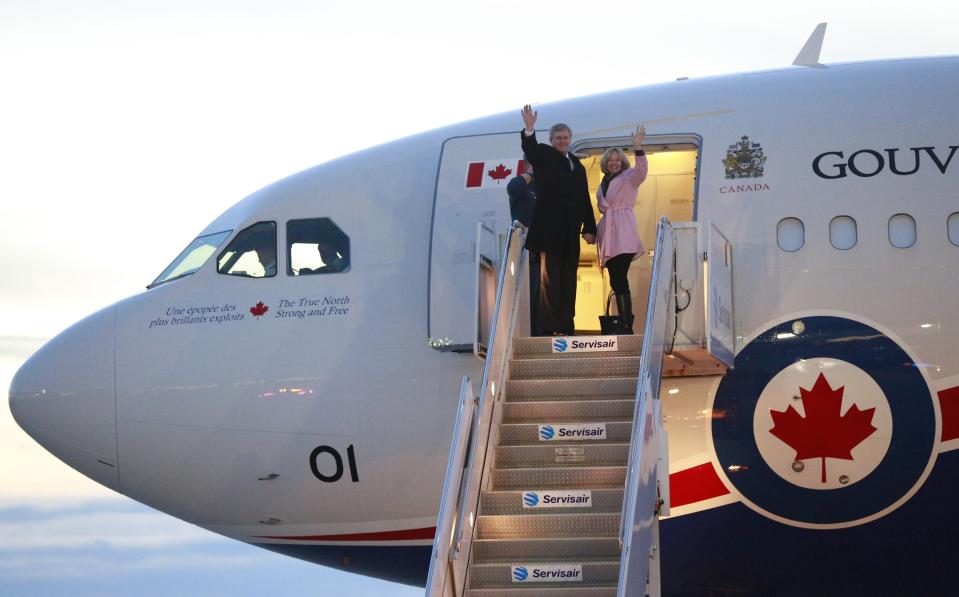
(19, 348)
(35, 566)
(120, 547)
(116, 528)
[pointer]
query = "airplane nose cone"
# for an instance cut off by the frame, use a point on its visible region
(64, 397)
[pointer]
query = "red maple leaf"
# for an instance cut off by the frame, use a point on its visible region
(823, 432)
(500, 173)
(259, 309)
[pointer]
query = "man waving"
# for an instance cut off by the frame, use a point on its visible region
(562, 213)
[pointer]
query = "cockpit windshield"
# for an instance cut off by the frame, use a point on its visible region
(192, 258)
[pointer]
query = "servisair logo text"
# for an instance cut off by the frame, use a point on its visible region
(572, 431)
(547, 573)
(558, 499)
(585, 344)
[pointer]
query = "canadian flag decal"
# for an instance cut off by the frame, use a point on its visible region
(493, 173)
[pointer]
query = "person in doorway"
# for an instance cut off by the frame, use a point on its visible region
(562, 213)
(616, 232)
(522, 201)
(522, 196)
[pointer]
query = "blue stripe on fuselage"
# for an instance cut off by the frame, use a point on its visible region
(733, 550)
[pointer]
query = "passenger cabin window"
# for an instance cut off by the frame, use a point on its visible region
(316, 246)
(952, 227)
(252, 253)
(842, 232)
(790, 234)
(192, 258)
(902, 231)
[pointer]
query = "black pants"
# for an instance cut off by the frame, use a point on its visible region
(557, 293)
(618, 267)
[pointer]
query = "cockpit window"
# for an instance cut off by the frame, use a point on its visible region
(252, 253)
(192, 258)
(316, 246)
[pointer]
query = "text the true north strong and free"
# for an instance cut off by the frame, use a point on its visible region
(313, 307)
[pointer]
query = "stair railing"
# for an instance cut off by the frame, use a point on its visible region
(465, 471)
(462, 431)
(640, 503)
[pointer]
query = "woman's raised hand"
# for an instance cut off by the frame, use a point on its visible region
(639, 136)
(529, 117)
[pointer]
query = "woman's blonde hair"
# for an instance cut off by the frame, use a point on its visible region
(603, 161)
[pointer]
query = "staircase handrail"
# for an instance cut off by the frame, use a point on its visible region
(450, 530)
(462, 431)
(647, 389)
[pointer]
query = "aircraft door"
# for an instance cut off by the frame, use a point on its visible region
(470, 217)
(720, 338)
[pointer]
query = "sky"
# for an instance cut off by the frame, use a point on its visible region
(126, 127)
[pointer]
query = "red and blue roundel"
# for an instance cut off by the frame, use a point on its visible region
(824, 421)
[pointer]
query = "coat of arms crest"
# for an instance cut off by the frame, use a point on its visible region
(744, 160)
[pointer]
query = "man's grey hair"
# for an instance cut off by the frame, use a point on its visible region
(559, 126)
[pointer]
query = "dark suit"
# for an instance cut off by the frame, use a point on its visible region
(562, 212)
(522, 200)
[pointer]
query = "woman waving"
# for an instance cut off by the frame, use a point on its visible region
(616, 232)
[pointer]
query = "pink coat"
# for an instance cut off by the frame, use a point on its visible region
(616, 232)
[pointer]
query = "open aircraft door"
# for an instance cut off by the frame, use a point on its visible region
(470, 216)
(720, 338)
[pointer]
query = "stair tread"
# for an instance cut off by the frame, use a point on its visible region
(576, 468)
(516, 562)
(574, 398)
(558, 515)
(526, 356)
(580, 590)
(583, 388)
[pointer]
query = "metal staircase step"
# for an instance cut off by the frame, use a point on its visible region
(579, 524)
(569, 410)
(510, 503)
(573, 389)
(543, 346)
(512, 434)
(584, 477)
(590, 368)
(514, 549)
(545, 591)
(543, 456)
(596, 573)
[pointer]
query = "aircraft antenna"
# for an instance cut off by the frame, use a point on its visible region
(809, 54)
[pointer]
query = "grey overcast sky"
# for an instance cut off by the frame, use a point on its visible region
(126, 126)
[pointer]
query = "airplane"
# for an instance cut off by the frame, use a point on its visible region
(290, 379)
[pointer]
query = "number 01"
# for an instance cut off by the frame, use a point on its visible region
(337, 473)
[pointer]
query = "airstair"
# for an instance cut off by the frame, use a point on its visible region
(559, 469)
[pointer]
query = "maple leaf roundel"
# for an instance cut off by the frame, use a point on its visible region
(828, 416)
(829, 427)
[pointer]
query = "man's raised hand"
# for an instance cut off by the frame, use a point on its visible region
(529, 117)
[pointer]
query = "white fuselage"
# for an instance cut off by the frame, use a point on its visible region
(216, 415)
